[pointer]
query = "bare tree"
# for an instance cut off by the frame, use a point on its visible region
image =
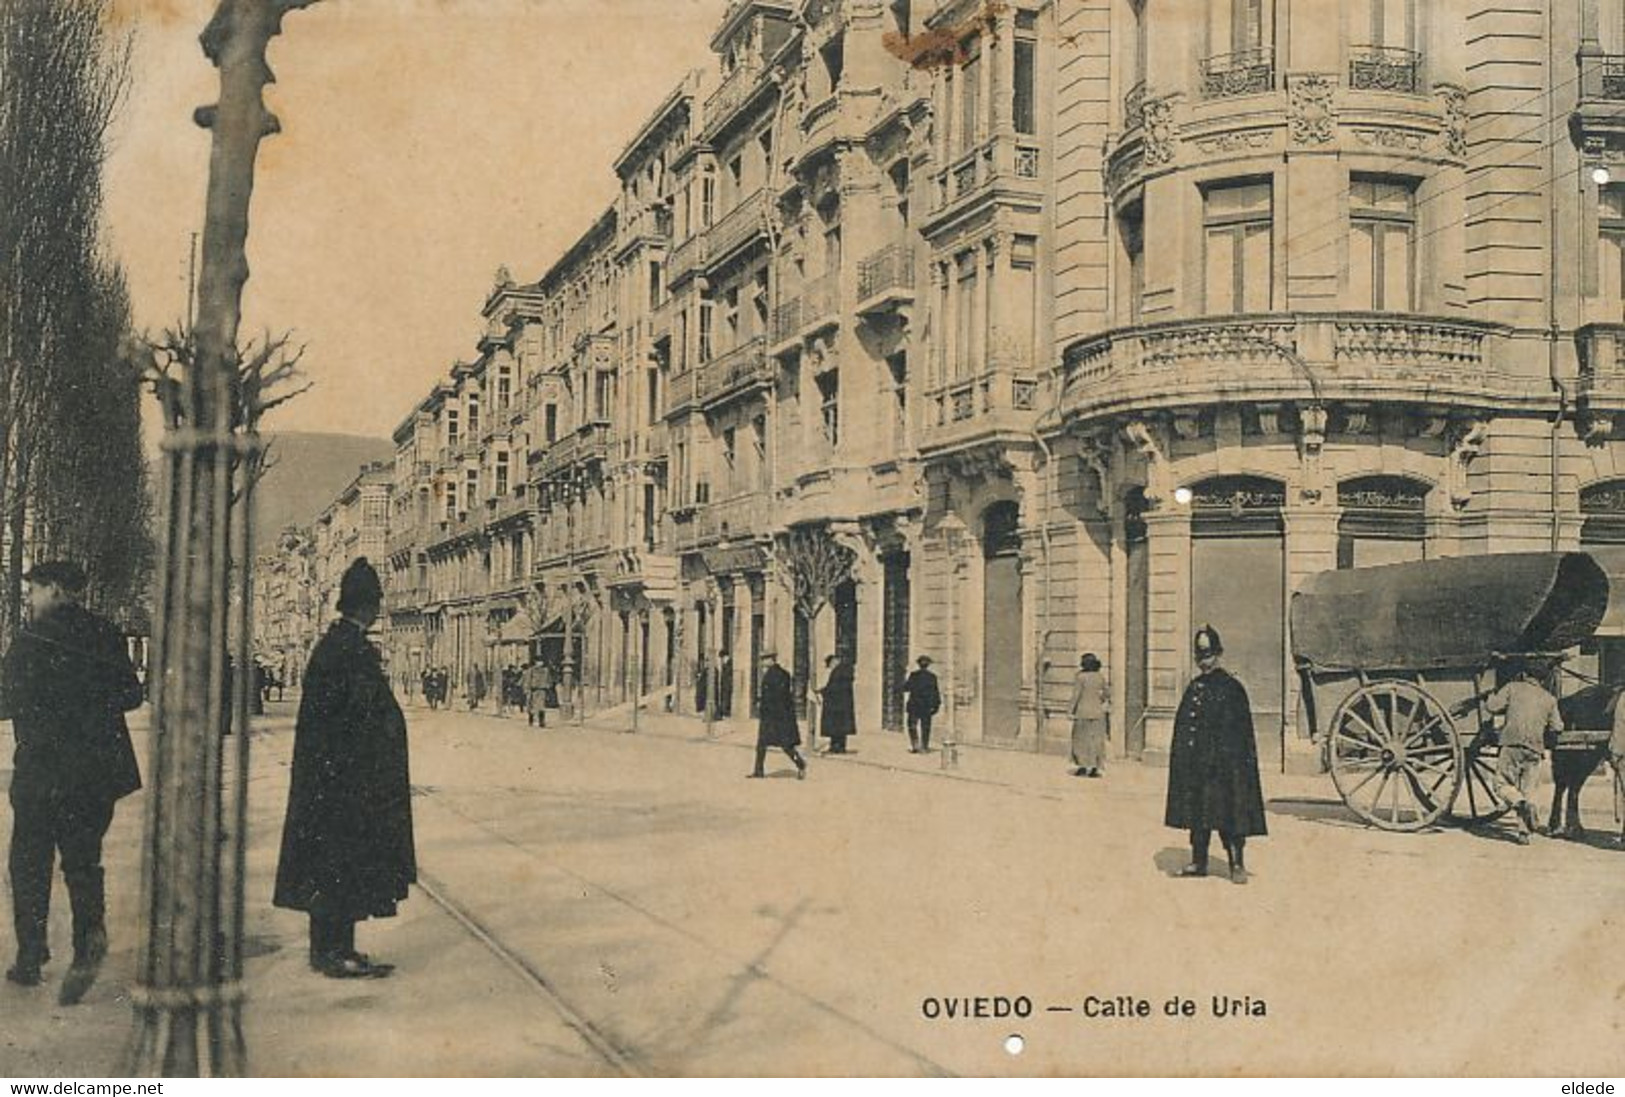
(812, 563)
(64, 392)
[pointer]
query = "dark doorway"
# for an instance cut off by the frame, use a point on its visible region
(894, 640)
(1001, 623)
(1238, 585)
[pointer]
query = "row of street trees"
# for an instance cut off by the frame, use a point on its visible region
(72, 471)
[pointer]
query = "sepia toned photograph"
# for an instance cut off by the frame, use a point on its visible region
(812, 538)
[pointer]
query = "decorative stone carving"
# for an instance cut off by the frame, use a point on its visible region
(1454, 101)
(1160, 138)
(1466, 438)
(1387, 137)
(1596, 429)
(1149, 441)
(1095, 452)
(1310, 117)
(1187, 425)
(1235, 141)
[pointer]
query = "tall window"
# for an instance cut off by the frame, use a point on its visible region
(1024, 98)
(708, 200)
(656, 286)
(504, 385)
(898, 365)
(730, 457)
(829, 403)
(1131, 231)
(1238, 219)
(603, 394)
(1241, 26)
(758, 300)
(451, 427)
(1382, 235)
(970, 90)
(705, 331)
(550, 423)
(730, 317)
(502, 472)
(1382, 23)
(471, 492)
(965, 316)
(1611, 243)
(473, 413)
(758, 448)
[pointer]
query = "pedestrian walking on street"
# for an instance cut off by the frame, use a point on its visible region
(777, 723)
(347, 848)
(476, 687)
(65, 684)
(837, 719)
(1090, 709)
(1213, 765)
(1529, 713)
(924, 699)
(538, 684)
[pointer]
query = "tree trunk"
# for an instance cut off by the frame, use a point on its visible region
(188, 1001)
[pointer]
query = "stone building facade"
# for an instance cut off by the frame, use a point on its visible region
(1003, 333)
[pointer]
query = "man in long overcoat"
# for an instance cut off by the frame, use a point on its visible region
(1213, 766)
(347, 850)
(776, 726)
(837, 718)
(924, 699)
(66, 684)
(538, 684)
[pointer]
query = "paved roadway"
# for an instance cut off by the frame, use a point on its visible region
(616, 903)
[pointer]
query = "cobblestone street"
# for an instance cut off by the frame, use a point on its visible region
(606, 902)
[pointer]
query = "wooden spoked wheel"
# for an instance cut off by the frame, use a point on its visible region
(1478, 801)
(1394, 755)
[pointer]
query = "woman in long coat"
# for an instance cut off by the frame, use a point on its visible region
(776, 725)
(347, 848)
(1090, 704)
(837, 718)
(1213, 764)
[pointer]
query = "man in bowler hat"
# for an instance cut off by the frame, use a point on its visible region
(347, 850)
(1213, 765)
(66, 684)
(924, 699)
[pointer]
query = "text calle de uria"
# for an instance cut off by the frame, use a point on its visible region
(1125, 1007)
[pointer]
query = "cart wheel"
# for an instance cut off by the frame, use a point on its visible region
(1478, 801)
(1395, 757)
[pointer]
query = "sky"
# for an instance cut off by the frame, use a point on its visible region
(424, 144)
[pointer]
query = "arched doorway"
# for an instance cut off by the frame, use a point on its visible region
(1238, 585)
(1383, 521)
(1001, 622)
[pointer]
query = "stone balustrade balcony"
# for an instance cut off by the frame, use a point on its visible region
(1356, 356)
(739, 227)
(886, 278)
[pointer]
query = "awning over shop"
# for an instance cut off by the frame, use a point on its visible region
(515, 630)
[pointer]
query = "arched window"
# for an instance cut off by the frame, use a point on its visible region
(1383, 520)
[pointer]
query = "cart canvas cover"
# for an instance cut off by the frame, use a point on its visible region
(1434, 614)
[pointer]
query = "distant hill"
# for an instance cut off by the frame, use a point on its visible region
(308, 471)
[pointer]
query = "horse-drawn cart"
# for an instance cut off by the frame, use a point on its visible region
(1404, 656)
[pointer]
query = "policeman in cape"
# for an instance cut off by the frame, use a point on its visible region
(1213, 780)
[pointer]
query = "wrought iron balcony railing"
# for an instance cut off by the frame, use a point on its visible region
(1384, 68)
(886, 271)
(1244, 72)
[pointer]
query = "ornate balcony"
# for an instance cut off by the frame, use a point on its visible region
(740, 226)
(886, 279)
(735, 88)
(740, 369)
(786, 323)
(1370, 357)
(742, 516)
(688, 257)
(1000, 160)
(1384, 68)
(993, 401)
(1245, 72)
(1602, 369)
